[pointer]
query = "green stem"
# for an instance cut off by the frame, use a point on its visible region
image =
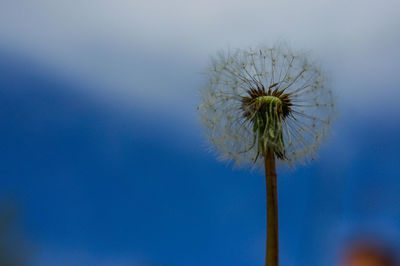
(272, 252)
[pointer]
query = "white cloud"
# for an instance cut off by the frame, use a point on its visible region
(152, 50)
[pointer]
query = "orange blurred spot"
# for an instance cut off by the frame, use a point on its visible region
(368, 254)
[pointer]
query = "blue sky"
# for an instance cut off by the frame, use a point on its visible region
(103, 154)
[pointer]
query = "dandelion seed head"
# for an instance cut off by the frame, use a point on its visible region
(265, 99)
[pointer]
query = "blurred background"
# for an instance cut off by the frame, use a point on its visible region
(103, 160)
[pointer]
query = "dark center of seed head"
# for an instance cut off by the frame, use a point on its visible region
(269, 111)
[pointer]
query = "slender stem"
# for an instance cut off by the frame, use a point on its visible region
(272, 252)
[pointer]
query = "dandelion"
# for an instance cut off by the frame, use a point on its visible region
(263, 107)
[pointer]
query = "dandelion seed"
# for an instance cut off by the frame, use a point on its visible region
(266, 110)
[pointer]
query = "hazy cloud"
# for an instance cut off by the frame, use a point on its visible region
(153, 50)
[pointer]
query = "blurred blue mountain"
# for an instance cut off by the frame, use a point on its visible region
(100, 184)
